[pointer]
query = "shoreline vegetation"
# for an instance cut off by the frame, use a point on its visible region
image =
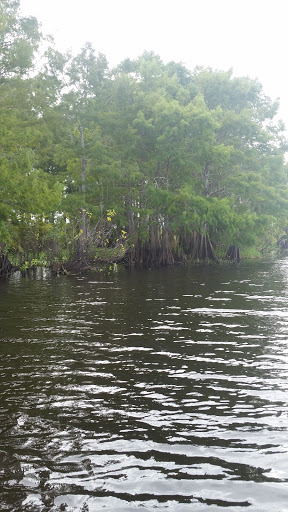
(147, 164)
(109, 263)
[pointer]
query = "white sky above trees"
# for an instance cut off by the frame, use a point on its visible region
(248, 35)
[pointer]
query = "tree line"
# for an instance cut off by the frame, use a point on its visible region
(146, 163)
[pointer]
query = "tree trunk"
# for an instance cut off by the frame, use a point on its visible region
(202, 248)
(206, 174)
(233, 254)
(82, 240)
(6, 268)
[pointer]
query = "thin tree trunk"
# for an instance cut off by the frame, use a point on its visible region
(206, 175)
(82, 240)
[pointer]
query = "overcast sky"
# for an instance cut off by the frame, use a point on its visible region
(248, 35)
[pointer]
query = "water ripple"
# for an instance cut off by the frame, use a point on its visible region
(159, 390)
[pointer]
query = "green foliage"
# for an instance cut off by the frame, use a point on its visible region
(131, 160)
(19, 38)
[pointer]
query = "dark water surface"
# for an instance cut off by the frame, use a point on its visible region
(158, 390)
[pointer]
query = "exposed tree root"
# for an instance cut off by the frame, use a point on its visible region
(6, 267)
(201, 248)
(233, 254)
(158, 251)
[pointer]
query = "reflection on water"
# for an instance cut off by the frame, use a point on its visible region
(156, 390)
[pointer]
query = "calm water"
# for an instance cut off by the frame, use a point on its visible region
(158, 390)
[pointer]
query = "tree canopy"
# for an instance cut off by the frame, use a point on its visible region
(147, 162)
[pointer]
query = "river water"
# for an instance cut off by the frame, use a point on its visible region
(156, 390)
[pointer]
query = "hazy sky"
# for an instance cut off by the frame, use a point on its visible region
(248, 35)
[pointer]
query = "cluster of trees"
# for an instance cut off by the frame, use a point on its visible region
(147, 162)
